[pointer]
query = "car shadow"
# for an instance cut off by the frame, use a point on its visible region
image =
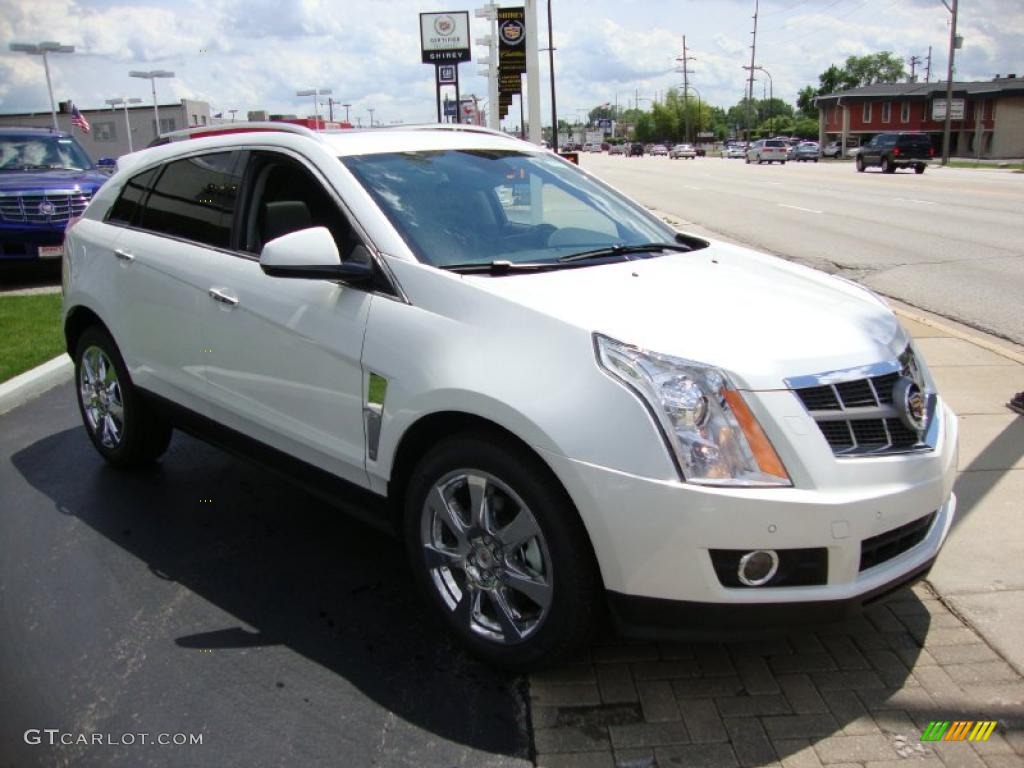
(288, 571)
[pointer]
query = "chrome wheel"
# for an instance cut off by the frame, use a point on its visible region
(102, 403)
(486, 556)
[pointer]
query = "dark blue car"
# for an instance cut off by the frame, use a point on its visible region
(45, 179)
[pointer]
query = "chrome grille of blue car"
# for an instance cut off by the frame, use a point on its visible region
(42, 207)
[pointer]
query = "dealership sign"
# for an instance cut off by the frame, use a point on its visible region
(444, 37)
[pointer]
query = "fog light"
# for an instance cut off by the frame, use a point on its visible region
(758, 567)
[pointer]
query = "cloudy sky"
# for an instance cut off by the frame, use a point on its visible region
(254, 54)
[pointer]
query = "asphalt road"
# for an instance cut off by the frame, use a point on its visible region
(950, 241)
(209, 597)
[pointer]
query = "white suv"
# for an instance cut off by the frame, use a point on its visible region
(568, 404)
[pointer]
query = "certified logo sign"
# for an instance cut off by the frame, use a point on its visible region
(512, 31)
(911, 403)
(444, 25)
(47, 208)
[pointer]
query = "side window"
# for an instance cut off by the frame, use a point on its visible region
(194, 198)
(285, 197)
(128, 206)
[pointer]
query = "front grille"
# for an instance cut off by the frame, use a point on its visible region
(43, 208)
(857, 416)
(886, 546)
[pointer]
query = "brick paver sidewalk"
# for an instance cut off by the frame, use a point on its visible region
(854, 694)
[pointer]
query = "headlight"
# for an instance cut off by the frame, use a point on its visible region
(714, 436)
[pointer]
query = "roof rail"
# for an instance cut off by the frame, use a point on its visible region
(464, 127)
(200, 131)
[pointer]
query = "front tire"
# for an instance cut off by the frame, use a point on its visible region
(500, 551)
(120, 424)
(859, 162)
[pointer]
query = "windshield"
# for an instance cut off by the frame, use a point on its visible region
(23, 153)
(467, 206)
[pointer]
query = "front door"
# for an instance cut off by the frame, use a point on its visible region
(284, 354)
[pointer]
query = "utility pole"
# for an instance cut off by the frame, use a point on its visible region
(928, 67)
(949, 81)
(551, 70)
(685, 59)
(914, 61)
(750, 80)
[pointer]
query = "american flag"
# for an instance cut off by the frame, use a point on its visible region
(78, 119)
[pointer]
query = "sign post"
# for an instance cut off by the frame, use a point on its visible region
(512, 34)
(444, 42)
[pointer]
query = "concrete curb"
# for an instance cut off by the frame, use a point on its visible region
(29, 385)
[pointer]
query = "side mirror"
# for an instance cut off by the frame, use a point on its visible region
(312, 254)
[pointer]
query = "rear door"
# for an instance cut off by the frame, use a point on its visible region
(284, 359)
(165, 257)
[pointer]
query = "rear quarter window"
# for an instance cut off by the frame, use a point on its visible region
(127, 209)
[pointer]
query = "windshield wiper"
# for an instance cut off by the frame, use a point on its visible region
(621, 250)
(497, 267)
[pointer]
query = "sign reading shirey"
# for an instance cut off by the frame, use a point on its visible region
(511, 54)
(444, 37)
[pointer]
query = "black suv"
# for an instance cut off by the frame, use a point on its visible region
(890, 151)
(635, 148)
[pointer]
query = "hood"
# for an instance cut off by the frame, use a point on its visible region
(758, 317)
(41, 181)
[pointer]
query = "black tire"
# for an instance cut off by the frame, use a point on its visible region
(143, 435)
(919, 168)
(815, 159)
(887, 166)
(859, 162)
(560, 546)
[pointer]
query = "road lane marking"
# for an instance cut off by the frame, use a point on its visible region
(798, 208)
(912, 200)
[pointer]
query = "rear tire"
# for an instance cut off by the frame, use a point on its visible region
(859, 162)
(499, 550)
(887, 166)
(919, 169)
(120, 423)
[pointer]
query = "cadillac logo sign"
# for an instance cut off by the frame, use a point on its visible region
(444, 25)
(912, 405)
(512, 32)
(47, 208)
(444, 37)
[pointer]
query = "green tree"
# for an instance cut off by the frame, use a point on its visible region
(644, 127)
(805, 102)
(883, 67)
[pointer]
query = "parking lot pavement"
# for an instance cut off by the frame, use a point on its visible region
(854, 694)
(209, 597)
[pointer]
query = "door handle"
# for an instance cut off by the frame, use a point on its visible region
(124, 255)
(221, 295)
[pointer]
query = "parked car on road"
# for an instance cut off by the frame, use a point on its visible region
(394, 317)
(46, 179)
(890, 151)
(683, 150)
(592, 147)
(806, 151)
(832, 149)
(659, 150)
(636, 149)
(734, 152)
(616, 149)
(767, 151)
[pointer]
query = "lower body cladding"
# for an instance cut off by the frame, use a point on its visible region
(687, 559)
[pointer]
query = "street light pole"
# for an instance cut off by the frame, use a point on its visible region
(151, 75)
(346, 106)
(371, 110)
(316, 93)
(551, 70)
(41, 49)
(127, 125)
(771, 100)
(947, 126)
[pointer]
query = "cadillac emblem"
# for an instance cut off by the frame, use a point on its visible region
(47, 208)
(912, 404)
(444, 25)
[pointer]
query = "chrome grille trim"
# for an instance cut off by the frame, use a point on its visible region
(855, 412)
(23, 207)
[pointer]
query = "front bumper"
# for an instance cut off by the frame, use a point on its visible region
(653, 538)
(22, 243)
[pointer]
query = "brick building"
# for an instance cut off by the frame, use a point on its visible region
(988, 116)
